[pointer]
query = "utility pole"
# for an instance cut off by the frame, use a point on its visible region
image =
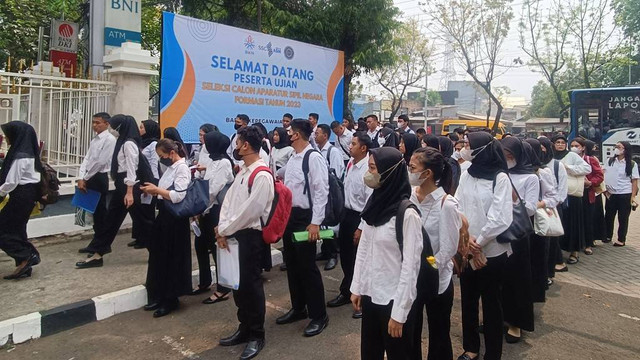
(259, 15)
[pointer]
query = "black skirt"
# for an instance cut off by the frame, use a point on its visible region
(539, 267)
(517, 302)
(169, 271)
(13, 222)
(573, 223)
(599, 227)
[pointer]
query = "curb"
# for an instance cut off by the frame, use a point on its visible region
(49, 322)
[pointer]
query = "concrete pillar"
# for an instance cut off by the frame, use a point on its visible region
(130, 68)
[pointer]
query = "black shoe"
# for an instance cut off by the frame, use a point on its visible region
(467, 357)
(357, 315)
(238, 337)
(510, 339)
(283, 267)
(152, 306)
(315, 327)
(606, 241)
(132, 243)
(331, 264)
(252, 349)
(165, 309)
(339, 301)
(23, 273)
(138, 246)
(89, 264)
(292, 316)
(217, 299)
(33, 260)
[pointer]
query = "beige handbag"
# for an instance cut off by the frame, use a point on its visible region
(575, 185)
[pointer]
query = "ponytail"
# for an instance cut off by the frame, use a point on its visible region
(168, 145)
(432, 159)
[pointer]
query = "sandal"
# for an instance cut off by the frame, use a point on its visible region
(565, 268)
(588, 251)
(200, 290)
(573, 260)
(618, 244)
(218, 298)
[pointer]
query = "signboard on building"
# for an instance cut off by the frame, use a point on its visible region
(64, 36)
(212, 72)
(122, 22)
(67, 62)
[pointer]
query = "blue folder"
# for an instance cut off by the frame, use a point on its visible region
(87, 201)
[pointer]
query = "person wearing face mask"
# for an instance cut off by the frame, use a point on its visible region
(403, 125)
(517, 301)
(20, 178)
(464, 164)
(129, 169)
(621, 179)
(169, 269)
(388, 138)
(305, 282)
(281, 151)
(385, 275)
(242, 121)
(356, 194)
(573, 240)
(430, 174)
(408, 144)
(172, 133)
(489, 210)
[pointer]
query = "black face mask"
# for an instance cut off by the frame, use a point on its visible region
(236, 154)
(166, 161)
(236, 126)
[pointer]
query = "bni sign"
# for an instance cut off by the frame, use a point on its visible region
(122, 22)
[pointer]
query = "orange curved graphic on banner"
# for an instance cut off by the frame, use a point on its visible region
(334, 80)
(180, 104)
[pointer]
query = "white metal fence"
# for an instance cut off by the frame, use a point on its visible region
(60, 110)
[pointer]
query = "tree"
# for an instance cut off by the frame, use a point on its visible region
(544, 103)
(477, 29)
(627, 16)
(411, 51)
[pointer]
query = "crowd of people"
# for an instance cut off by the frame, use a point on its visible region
(404, 192)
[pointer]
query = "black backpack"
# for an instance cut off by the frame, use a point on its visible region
(428, 276)
(49, 186)
(334, 211)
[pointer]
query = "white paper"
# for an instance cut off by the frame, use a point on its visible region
(145, 198)
(228, 266)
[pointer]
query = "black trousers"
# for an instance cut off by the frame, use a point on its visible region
(329, 248)
(348, 249)
(599, 225)
(100, 183)
(374, 336)
(305, 282)
(13, 222)
(618, 204)
(439, 323)
(249, 297)
(205, 245)
(485, 283)
(116, 213)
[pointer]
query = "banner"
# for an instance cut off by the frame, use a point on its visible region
(211, 72)
(67, 62)
(64, 36)
(122, 22)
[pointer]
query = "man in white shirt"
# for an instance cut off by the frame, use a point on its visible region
(240, 217)
(94, 171)
(373, 129)
(313, 119)
(403, 124)
(344, 136)
(335, 162)
(305, 281)
(356, 194)
(286, 121)
(242, 121)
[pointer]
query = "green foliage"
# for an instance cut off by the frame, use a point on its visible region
(628, 16)
(543, 101)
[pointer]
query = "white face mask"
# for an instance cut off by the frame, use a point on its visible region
(466, 154)
(456, 155)
(414, 178)
(618, 152)
(575, 149)
(381, 140)
(511, 164)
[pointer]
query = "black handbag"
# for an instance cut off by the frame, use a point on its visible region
(521, 226)
(195, 201)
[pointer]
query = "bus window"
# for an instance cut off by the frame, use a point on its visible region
(589, 124)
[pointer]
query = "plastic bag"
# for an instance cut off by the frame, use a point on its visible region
(228, 266)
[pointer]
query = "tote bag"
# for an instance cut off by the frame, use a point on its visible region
(547, 222)
(195, 201)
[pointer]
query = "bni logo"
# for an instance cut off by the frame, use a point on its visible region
(249, 43)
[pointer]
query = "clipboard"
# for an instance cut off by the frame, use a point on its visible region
(87, 201)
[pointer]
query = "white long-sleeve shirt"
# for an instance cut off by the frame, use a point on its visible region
(243, 210)
(548, 187)
(203, 160)
(442, 222)
(489, 210)
(343, 143)
(22, 172)
(278, 158)
(219, 173)
(561, 181)
(99, 155)
(528, 187)
(318, 183)
(356, 193)
(382, 272)
(177, 175)
(128, 159)
(152, 156)
(575, 165)
(333, 157)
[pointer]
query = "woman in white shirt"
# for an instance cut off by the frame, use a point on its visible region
(573, 240)
(489, 210)
(430, 173)
(546, 200)
(385, 277)
(219, 172)
(281, 150)
(621, 178)
(169, 270)
(19, 179)
(517, 302)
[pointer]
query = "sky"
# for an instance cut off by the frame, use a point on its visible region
(519, 79)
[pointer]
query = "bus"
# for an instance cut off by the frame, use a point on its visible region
(606, 116)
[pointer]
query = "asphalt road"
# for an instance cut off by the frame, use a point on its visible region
(575, 323)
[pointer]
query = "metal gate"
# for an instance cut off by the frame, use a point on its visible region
(60, 110)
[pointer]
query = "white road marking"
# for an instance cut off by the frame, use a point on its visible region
(276, 307)
(176, 346)
(629, 317)
(332, 278)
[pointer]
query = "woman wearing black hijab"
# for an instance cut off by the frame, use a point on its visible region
(150, 134)
(20, 179)
(517, 302)
(201, 156)
(408, 144)
(173, 134)
(384, 279)
(388, 138)
(489, 210)
(281, 151)
(219, 173)
(431, 141)
(446, 148)
(129, 170)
